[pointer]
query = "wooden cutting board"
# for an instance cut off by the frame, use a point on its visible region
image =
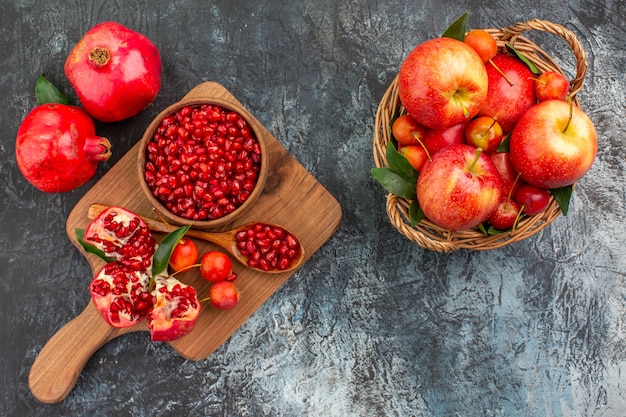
(292, 197)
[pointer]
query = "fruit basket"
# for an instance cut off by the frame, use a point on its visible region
(427, 234)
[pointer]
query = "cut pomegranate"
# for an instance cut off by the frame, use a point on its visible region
(268, 247)
(202, 162)
(120, 294)
(124, 236)
(175, 311)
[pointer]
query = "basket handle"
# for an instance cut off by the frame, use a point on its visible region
(511, 33)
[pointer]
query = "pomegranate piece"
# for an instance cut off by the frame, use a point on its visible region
(124, 236)
(268, 247)
(120, 294)
(57, 149)
(115, 71)
(203, 162)
(175, 311)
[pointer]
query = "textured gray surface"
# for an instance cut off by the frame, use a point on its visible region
(372, 325)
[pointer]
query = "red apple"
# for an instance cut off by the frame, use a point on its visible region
(533, 200)
(509, 95)
(436, 139)
(459, 188)
(505, 215)
(485, 133)
(511, 181)
(442, 82)
(407, 131)
(549, 149)
(415, 154)
(551, 85)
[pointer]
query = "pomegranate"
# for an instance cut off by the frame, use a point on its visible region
(115, 71)
(121, 294)
(57, 149)
(268, 247)
(203, 162)
(175, 310)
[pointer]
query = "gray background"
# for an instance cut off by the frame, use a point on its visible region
(372, 325)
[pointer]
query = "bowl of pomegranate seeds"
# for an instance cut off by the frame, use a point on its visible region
(202, 162)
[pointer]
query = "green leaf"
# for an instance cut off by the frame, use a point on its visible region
(399, 164)
(394, 183)
(504, 145)
(89, 248)
(166, 247)
(526, 61)
(457, 29)
(562, 196)
(416, 214)
(492, 231)
(46, 92)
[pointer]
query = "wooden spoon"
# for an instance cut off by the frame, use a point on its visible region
(225, 239)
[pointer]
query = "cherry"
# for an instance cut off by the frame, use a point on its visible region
(416, 155)
(483, 43)
(506, 215)
(484, 132)
(216, 266)
(224, 295)
(407, 131)
(551, 85)
(533, 200)
(184, 255)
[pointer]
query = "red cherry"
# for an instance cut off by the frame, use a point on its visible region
(533, 199)
(215, 266)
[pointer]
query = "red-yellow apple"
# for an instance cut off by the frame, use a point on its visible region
(549, 149)
(436, 139)
(509, 95)
(551, 85)
(485, 133)
(509, 177)
(458, 188)
(442, 82)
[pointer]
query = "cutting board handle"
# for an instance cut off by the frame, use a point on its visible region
(57, 367)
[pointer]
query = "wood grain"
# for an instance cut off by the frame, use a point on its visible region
(292, 197)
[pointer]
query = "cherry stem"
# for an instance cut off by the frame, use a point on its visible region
(571, 113)
(513, 186)
(204, 300)
(519, 216)
(479, 151)
(416, 137)
(502, 73)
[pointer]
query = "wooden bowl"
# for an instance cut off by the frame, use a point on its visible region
(203, 223)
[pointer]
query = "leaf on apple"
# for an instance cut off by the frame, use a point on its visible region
(504, 145)
(562, 196)
(457, 29)
(416, 214)
(395, 184)
(525, 60)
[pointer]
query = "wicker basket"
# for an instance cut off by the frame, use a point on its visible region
(427, 234)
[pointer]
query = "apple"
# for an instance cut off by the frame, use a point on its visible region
(416, 155)
(436, 139)
(458, 188)
(533, 200)
(442, 82)
(508, 95)
(552, 148)
(551, 85)
(484, 132)
(407, 131)
(505, 215)
(509, 177)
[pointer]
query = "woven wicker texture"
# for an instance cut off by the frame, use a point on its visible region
(427, 234)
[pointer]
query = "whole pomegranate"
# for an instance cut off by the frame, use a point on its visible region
(115, 71)
(57, 149)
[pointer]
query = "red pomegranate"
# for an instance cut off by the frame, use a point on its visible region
(115, 71)
(57, 149)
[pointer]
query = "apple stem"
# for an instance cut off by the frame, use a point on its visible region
(571, 113)
(502, 73)
(479, 151)
(466, 112)
(416, 137)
